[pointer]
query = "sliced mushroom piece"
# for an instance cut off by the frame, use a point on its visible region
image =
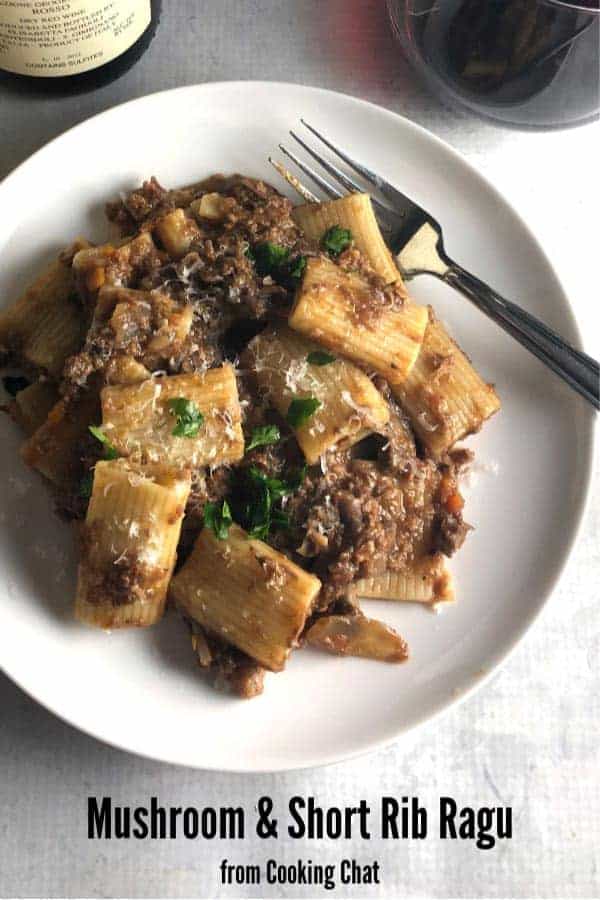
(356, 635)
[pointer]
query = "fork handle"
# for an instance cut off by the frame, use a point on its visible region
(578, 369)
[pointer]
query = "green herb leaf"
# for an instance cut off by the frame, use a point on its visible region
(188, 415)
(276, 487)
(268, 257)
(301, 409)
(256, 501)
(86, 484)
(259, 511)
(298, 268)
(110, 452)
(320, 358)
(218, 517)
(263, 435)
(336, 240)
(14, 383)
(290, 272)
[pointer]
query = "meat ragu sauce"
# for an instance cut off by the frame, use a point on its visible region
(360, 511)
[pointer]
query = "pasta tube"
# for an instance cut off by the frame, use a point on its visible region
(354, 212)
(46, 324)
(33, 404)
(54, 449)
(142, 420)
(247, 593)
(351, 407)
(443, 395)
(425, 580)
(129, 543)
(339, 310)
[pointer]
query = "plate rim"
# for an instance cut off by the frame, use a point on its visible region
(588, 445)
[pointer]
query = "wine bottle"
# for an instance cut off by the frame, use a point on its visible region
(73, 45)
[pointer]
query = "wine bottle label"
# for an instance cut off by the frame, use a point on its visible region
(53, 38)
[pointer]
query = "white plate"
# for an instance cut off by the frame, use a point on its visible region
(141, 690)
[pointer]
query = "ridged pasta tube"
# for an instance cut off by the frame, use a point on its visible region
(129, 543)
(247, 593)
(46, 324)
(139, 421)
(444, 396)
(351, 407)
(31, 406)
(54, 448)
(425, 580)
(354, 212)
(338, 309)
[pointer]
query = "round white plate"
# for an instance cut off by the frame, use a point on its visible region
(141, 690)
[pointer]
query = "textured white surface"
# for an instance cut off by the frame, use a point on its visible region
(530, 738)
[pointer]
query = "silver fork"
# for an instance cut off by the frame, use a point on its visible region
(416, 240)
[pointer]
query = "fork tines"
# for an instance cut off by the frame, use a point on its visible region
(388, 218)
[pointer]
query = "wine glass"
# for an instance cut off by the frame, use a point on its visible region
(525, 62)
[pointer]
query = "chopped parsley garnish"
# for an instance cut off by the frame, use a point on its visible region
(268, 257)
(257, 498)
(263, 435)
(257, 509)
(320, 358)
(301, 409)
(276, 486)
(336, 240)
(289, 273)
(276, 261)
(86, 484)
(14, 383)
(218, 517)
(110, 452)
(298, 268)
(188, 415)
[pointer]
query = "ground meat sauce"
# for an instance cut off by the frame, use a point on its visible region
(368, 305)
(360, 512)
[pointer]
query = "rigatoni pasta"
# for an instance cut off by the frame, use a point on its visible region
(54, 448)
(240, 409)
(32, 405)
(247, 593)
(355, 213)
(141, 420)
(129, 543)
(424, 580)
(289, 367)
(444, 396)
(338, 309)
(45, 325)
